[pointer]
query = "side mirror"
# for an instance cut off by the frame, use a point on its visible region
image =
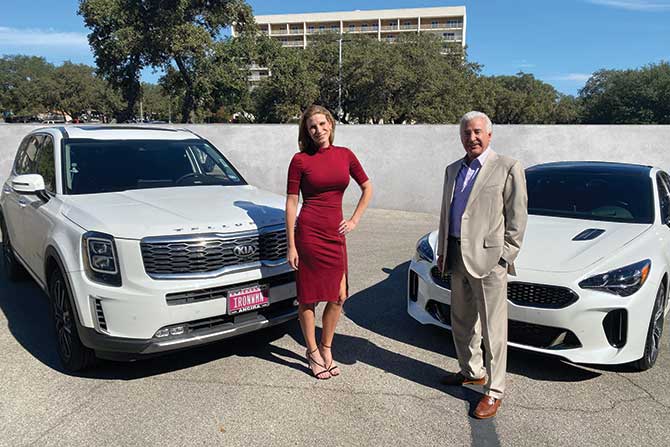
(28, 184)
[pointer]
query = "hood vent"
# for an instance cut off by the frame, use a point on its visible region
(588, 235)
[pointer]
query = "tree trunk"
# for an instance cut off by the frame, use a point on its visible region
(130, 94)
(188, 106)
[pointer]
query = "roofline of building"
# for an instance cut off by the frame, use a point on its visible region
(361, 15)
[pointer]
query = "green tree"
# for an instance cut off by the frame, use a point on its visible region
(639, 96)
(221, 80)
(156, 102)
(522, 99)
(293, 86)
(25, 84)
(76, 89)
(118, 39)
(175, 35)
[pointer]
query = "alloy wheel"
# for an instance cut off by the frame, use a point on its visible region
(62, 318)
(657, 328)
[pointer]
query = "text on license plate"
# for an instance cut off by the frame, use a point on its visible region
(249, 298)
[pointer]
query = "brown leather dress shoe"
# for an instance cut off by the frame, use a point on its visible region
(487, 407)
(458, 379)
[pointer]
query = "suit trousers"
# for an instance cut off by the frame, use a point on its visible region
(479, 311)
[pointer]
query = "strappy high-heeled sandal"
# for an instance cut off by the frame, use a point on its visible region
(310, 360)
(333, 369)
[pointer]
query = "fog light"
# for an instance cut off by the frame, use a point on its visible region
(178, 330)
(162, 333)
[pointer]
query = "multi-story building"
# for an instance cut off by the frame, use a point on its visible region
(295, 30)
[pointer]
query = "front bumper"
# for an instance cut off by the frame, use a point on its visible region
(125, 320)
(217, 328)
(598, 328)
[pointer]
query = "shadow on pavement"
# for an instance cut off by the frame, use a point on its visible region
(382, 308)
(26, 309)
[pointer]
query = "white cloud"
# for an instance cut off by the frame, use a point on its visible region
(635, 5)
(17, 38)
(573, 77)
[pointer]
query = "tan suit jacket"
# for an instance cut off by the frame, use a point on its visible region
(494, 220)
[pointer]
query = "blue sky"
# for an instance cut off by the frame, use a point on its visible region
(559, 41)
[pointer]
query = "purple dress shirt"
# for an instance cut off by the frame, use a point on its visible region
(465, 180)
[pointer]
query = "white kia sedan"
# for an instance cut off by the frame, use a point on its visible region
(592, 274)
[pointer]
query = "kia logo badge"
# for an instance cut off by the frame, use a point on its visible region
(244, 251)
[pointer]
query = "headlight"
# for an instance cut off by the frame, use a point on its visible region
(623, 282)
(100, 259)
(424, 250)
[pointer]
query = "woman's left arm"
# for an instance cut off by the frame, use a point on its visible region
(347, 226)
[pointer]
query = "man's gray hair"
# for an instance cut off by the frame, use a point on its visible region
(465, 119)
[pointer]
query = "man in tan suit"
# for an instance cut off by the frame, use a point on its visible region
(483, 219)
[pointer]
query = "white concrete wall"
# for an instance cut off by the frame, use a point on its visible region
(406, 163)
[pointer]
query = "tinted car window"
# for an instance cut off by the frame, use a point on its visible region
(25, 159)
(614, 197)
(94, 166)
(44, 163)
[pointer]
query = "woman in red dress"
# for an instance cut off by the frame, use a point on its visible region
(316, 241)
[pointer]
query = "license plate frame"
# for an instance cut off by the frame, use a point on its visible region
(247, 299)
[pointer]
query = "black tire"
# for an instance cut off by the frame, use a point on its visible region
(652, 344)
(73, 354)
(11, 266)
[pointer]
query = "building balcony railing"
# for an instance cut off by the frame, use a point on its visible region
(296, 31)
(389, 27)
(439, 26)
(293, 44)
(369, 29)
(279, 32)
(323, 31)
(409, 27)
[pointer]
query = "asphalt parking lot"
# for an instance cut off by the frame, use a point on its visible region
(256, 390)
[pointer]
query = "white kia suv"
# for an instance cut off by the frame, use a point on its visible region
(146, 240)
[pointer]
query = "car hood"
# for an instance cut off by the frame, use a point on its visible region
(549, 246)
(136, 214)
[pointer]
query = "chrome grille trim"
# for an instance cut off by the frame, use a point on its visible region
(202, 256)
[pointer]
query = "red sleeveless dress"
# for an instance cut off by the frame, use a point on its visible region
(322, 178)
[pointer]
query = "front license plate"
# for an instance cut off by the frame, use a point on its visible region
(249, 298)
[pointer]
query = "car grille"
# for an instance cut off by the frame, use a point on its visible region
(520, 332)
(539, 295)
(273, 245)
(444, 282)
(209, 253)
(524, 294)
(539, 336)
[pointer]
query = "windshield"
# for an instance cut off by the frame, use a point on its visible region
(95, 166)
(613, 197)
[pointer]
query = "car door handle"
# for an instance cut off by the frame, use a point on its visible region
(23, 202)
